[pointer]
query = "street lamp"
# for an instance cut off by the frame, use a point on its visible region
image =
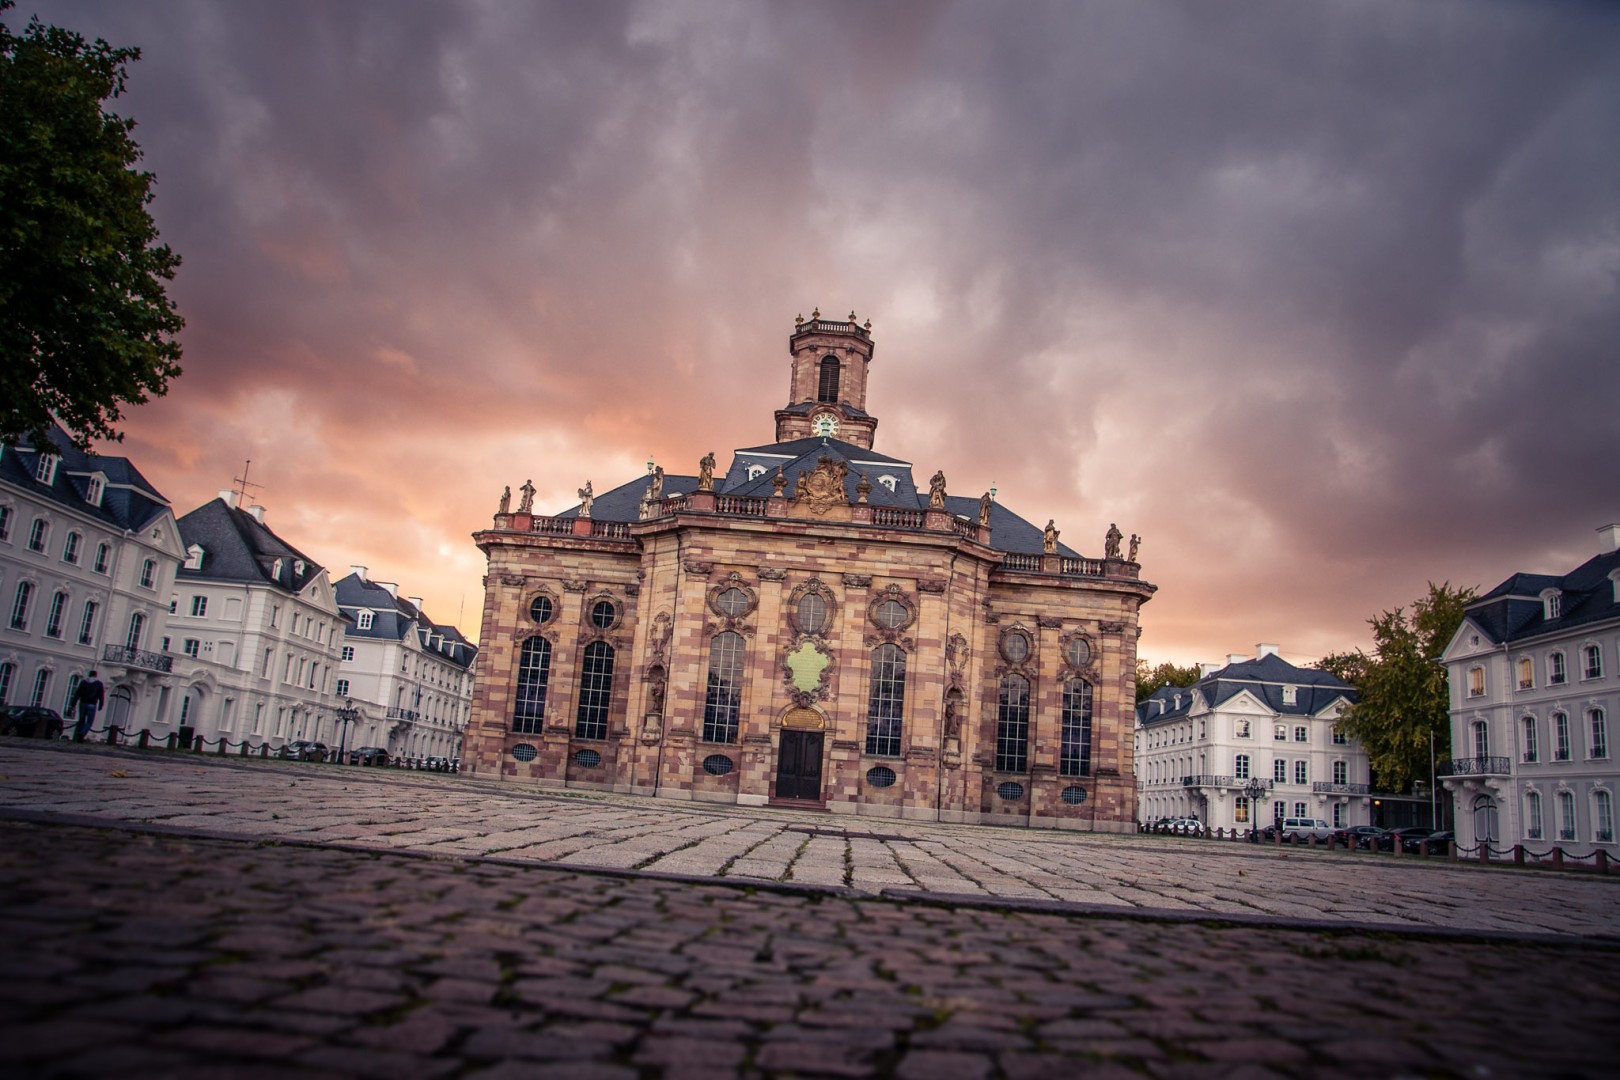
(347, 715)
(1254, 789)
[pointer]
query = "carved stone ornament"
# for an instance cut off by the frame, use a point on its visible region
(802, 717)
(862, 489)
(1018, 654)
(873, 640)
(1079, 655)
(1049, 622)
(957, 652)
(778, 482)
(658, 638)
(829, 603)
(512, 580)
(573, 586)
(701, 569)
(931, 585)
(858, 581)
(878, 610)
(823, 489)
(771, 573)
(1111, 627)
(807, 670)
(632, 589)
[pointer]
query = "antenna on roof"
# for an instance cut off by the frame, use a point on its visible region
(241, 482)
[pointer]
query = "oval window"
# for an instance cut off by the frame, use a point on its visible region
(524, 752)
(1010, 791)
(891, 615)
(603, 614)
(1074, 795)
(540, 609)
(1079, 652)
(882, 776)
(812, 613)
(1016, 647)
(587, 759)
(732, 602)
(718, 765)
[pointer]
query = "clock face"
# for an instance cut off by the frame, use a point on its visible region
(824, 425)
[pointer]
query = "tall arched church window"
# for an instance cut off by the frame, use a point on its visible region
(1012, 725)
(722, 705)
(534, 673)
(827, 388)
(887, 700)
(1074, 750)
(595, 691)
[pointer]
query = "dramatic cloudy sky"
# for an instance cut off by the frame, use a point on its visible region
(1319, 297)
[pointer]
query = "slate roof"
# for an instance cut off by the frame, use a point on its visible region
(1008, 531)
(394, 616)
(1265, 678)
(236, 547)
(1514, 610)
(128, 500)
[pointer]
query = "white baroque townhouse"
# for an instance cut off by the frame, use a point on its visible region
(1534, 673)
(1252, 718)
(409, 678)
(253, 630)
(88, 551)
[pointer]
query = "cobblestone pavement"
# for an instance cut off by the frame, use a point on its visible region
(467, 818)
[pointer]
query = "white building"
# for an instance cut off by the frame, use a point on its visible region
(410, 678)
(253, 630)
(1534, 672)
(88, 550)
(1261, 718)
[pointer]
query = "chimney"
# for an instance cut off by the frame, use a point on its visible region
(1263, 650)
(417, 601)
(393, 589)
(358, 571)
(258, 513)
(1235, 658)
(227, 496)
(1608, 539)
(1205, 670)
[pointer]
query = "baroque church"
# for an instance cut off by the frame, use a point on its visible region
(809, 628)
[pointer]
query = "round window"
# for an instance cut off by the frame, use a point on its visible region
(891, 614)
(524, 752)
(587, 759)
(882, 776)
(812, 613)
(1074, 795)
(1010, 792)
(1079, 652)
(540, 609)
(603, 614)
(1016, 647)
(718, 765)
(732, 602)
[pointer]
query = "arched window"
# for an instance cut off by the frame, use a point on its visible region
(53, 618)
(1482, 739)
(1566, 815)
(1530, 749)
(534, 673)
(827, 388)
(1603, 817)
(722, 705)
(1600, 734)
(1593, 666)
(137, 627)
(1532, 815)
(8, 671)
(1012, 725)
(595, 691)
(1074, 749)
(19, 607)
(887, 700)
(1560, 737)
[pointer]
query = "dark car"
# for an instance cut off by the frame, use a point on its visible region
(1362, 836)
(302, 750)
(437, 764)
(31, 722)
(1407, 836)
(368, 755)
(1439, 842)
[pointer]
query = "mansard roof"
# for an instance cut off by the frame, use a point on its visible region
(238, 547)
(1514, 610)
(394, 617)
(1264, 678)
(128, 500)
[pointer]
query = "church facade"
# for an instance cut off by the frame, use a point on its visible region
(811, 629)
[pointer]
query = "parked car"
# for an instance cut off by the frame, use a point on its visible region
(368, 755)
(1185, 825)
(31, 722)
(437, 764)
(1407, 836)
(1439, 842)
(303, 750)
(1301, 829)
(1362, 836)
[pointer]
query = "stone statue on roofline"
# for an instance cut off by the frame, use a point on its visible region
(506, 500)
(1136, 542)
(936, 491)
(1111, 542)
(655, 487)
(984, 510)
(526, 503)
(1049, 537)
(706, 472)
(586, 498)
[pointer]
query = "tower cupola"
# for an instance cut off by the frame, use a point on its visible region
(827, 387)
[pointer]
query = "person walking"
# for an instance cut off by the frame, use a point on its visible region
(88, 697)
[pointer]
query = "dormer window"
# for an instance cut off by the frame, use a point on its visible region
(45, 470)
(755, 472)
(194, 557)
(94, 490)
(364, 621)
(298, 567)
(1552, 604)
(1290, 695)
(888, 482)
(275, 570)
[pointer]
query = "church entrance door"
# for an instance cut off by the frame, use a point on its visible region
(798, 765)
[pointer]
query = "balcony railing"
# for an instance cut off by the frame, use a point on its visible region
(137, 658)
(1321, 787)
(1215, 780)
(1477, 766)
(396, 713)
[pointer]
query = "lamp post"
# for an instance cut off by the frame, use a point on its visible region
(1254, 789)
(347, 715)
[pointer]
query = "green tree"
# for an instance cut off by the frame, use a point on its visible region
(1401, 687)
(85, 323)
(1149, 679)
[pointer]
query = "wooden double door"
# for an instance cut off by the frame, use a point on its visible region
(798, 765)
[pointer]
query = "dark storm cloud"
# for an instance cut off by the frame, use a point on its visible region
(1320, 298)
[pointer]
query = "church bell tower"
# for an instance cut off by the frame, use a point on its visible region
(827, 390)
